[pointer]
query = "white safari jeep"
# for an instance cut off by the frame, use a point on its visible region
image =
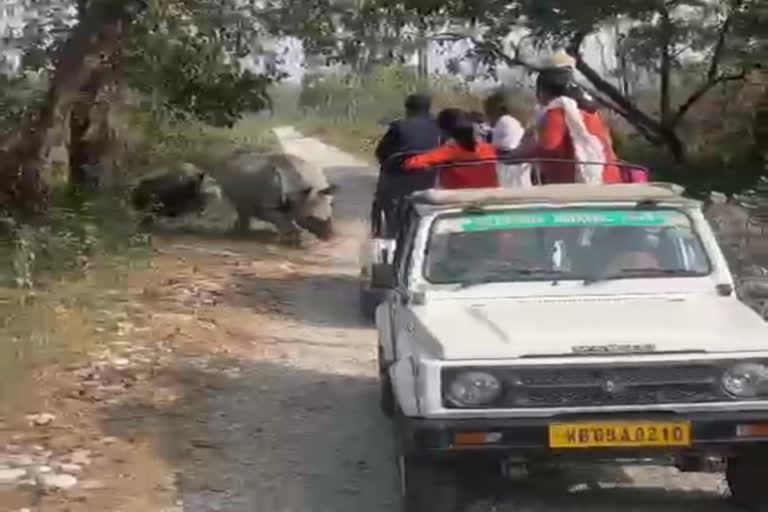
(564, 321)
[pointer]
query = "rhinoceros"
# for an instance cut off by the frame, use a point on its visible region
(178, 191)
(278, 188)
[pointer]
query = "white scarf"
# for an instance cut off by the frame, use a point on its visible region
(586, 146)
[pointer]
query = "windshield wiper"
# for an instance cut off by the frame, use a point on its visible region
(640, 272)
(493, 277)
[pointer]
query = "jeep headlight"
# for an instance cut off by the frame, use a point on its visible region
(746, 380)
(473, 389)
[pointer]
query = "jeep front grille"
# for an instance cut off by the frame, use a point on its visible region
(616, 386)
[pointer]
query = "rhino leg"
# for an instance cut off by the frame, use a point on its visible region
(289, 231)
(243, 222)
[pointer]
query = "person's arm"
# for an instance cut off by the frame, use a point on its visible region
(444, 153)
(551, 137)
(507, 133)
(528, 148)
(387, 145)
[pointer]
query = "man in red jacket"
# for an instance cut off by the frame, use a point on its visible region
(553, 136)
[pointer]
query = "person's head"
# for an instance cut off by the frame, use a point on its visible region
(556, 82)
(417, 105)
(463, 132)
(553, 83)
(447, 118)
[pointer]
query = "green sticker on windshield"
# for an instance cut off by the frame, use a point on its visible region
(570, 218)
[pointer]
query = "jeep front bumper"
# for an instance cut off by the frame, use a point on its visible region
(710, 434)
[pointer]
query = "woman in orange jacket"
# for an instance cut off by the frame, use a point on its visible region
(463, 148)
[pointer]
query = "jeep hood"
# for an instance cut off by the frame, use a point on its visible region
(511, 328)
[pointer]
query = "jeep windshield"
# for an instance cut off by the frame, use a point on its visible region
(589, 244)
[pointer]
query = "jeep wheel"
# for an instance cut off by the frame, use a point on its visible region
(428, 487)
(747, 474)
(386, 395)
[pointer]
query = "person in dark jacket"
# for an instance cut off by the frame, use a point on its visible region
(417, 132)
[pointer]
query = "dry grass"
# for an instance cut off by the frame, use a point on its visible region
(60, 322)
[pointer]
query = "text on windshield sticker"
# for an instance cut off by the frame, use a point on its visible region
(570, 218)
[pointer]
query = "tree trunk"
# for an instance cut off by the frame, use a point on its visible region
(761, 128)
(96, 35)
(665, 70)
(84, 154)
(674, 144)
(423, 54)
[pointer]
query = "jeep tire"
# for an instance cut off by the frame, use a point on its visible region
(428, 486)
(747, 474)
(386, 394)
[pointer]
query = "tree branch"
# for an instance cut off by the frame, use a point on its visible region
(628, 109)
(714, 77)
(665, 68)
(701, 92)
(717, 52)
(650, 128)
(606, 103)
(490, 48)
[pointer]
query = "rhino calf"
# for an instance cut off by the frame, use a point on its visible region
(281, 189)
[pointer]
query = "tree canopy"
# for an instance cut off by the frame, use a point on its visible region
(193, 57)
(708, 42)
(187, 56)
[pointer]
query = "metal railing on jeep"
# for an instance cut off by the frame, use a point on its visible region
(386, 203)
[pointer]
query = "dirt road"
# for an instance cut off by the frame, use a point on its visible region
(241, 380)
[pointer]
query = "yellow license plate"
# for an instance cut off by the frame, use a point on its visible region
(619, 434)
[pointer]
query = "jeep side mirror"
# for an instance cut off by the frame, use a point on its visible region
(755, 289)
(383, 275)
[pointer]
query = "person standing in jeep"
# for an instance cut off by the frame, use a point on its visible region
(417, 132)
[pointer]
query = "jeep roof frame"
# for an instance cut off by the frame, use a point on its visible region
(651, 193)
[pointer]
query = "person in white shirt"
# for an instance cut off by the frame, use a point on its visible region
(506, 135)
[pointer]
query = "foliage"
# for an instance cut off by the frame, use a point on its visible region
(17, 94)
(352, 110)
(361, 33)
(70, 238)
(157, 141)
(190, 60)
(186, 53)
(710, 42)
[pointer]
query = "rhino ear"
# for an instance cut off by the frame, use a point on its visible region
(329, 190)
